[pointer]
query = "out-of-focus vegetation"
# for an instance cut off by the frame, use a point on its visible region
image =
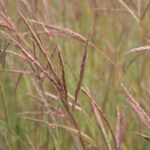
(74, 74)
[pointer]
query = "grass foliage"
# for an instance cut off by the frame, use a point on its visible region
(74, 75)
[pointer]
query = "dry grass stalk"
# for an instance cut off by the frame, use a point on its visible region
(42, 113)
(41, 48)
(54, 73)
(36, 113)
(82, 68)
(46, 10)
(94, 6)
(110, 10)
(3, 53)
(58, 86)
(61, 62)
(55, 111)
(69, 103)
(60, 31)
(129, 10)
(42, 97)
(17, 71)
(120, 128)
(30, 142)
(145, 11)
(99, 119)
(31, 60)
(69, 129)
(98, 113)
(140, 49)
(145, 119)
(74, 122)
(5, 20)
(16, 84)
(145, 137)
(53, 30)
(14, 53)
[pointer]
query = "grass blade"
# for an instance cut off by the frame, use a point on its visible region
(145, 137)
(145, 119)
(129, 10)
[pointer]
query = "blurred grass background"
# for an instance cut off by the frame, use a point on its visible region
(115, 31)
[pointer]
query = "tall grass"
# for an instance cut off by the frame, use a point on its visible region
(74, 75)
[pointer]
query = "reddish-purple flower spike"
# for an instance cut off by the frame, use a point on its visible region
(120, 128)
(82, 69)
(144, 118)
